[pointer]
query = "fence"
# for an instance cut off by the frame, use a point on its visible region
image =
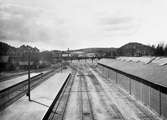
(150, 94)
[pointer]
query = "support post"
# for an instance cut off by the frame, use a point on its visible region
(116, 78)
(160, 103)
(61, 61)
(130, 86)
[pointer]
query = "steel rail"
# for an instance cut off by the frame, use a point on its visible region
(89, 100)
(66, 103)
(84, 85)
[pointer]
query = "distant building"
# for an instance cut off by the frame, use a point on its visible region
(56, 54)
(4, 59)
(66, 55)
(91, 55)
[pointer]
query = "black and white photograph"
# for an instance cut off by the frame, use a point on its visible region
(83, 59)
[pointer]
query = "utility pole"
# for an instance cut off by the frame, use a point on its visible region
(61, 61)
(68, 52)
(29, 87)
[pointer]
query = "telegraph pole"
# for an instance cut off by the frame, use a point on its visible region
(29, 87)
(61, 60)
(68, 54)
(68, 51)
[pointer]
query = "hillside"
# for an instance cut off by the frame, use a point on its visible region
(98, 51)
(135, 49)
(130, 49)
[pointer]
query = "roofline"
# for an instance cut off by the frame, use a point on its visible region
(154, 85)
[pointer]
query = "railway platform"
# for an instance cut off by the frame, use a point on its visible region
(41, 98)
(11, 82)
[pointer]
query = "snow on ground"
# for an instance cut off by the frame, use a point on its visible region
(107, 100)
(128, 108)
(150, 72)
(160, 61)
(156, 60)
(11, 82)
(126, 111)
(136, 59)
(100, 108)
(73, 104)
(42, 97)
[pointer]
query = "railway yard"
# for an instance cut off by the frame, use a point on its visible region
(80, 92)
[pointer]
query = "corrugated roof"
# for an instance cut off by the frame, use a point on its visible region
(145, 60)
(160, 61)
(150, 72)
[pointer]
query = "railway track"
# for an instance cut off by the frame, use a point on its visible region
(111, 109)
(86, 109)
(92, 100)
(58, 108)
(141, 112)
(86, 105)
(13, 93)
(4, 78)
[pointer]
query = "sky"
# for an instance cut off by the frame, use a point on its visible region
(63, 24)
